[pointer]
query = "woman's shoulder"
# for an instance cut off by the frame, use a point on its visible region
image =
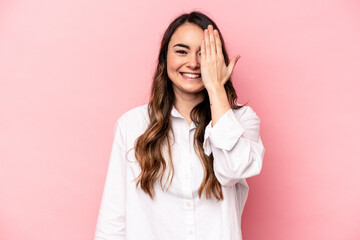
(135, 115)
(133, 122)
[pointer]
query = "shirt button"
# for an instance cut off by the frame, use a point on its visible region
(190, 232)
(188, 204)
(187, 176)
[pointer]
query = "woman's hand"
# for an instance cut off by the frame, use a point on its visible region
(214, 72)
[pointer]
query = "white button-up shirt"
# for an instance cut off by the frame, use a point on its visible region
(126, 212)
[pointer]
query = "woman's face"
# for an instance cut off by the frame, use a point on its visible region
(183, 57)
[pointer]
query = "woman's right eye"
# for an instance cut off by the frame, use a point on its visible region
(181, 51)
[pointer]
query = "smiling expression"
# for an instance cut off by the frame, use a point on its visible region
(183, 59)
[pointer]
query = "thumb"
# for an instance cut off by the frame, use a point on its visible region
(232, 64)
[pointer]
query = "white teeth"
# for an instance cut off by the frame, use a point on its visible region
(191, 75)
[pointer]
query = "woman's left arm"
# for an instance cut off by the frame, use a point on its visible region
(233, 136)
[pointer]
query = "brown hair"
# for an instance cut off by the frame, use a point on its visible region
(148, 146)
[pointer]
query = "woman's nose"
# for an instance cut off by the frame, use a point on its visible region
(194, 61)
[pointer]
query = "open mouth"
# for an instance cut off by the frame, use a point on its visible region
(191, 76)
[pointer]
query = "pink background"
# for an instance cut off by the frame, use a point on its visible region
(69, 69)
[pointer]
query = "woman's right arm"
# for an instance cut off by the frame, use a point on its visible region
(111, 218)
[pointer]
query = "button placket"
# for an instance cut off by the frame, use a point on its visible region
(189, 203)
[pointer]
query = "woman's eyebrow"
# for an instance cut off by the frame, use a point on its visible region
(184, 46)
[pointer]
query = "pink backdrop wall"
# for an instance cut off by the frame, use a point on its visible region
(69, 69)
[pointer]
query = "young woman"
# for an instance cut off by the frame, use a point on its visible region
(178, 164)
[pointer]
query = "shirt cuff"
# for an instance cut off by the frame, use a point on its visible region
(224, 134)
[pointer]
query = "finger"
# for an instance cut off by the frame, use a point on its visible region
(212, 41)
(207, 43)
(218, 44)
(203, 52)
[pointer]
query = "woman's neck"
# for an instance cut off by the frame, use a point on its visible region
(185, 103)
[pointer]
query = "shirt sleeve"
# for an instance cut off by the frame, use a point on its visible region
(236, 146)
(111, 217)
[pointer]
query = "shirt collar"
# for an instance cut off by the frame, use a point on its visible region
(175, 112)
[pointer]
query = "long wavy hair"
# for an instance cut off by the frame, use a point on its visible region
(149, 146)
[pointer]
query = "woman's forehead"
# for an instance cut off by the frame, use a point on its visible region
(188, 34)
